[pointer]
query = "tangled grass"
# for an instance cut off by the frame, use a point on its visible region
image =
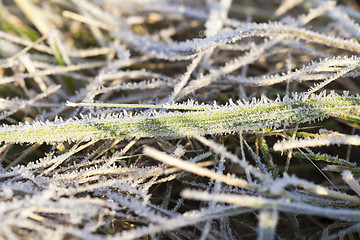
(169, 119)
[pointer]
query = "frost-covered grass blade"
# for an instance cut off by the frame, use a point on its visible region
(257, 115)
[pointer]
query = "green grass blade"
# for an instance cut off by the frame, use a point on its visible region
(258, 115)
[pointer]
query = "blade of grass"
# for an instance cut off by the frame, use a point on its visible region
(258, 115)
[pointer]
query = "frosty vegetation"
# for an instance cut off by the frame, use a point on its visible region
(179, 119)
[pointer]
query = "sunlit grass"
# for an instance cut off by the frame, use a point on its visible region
(210, 119)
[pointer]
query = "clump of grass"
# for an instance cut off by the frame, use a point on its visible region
(179, 119)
